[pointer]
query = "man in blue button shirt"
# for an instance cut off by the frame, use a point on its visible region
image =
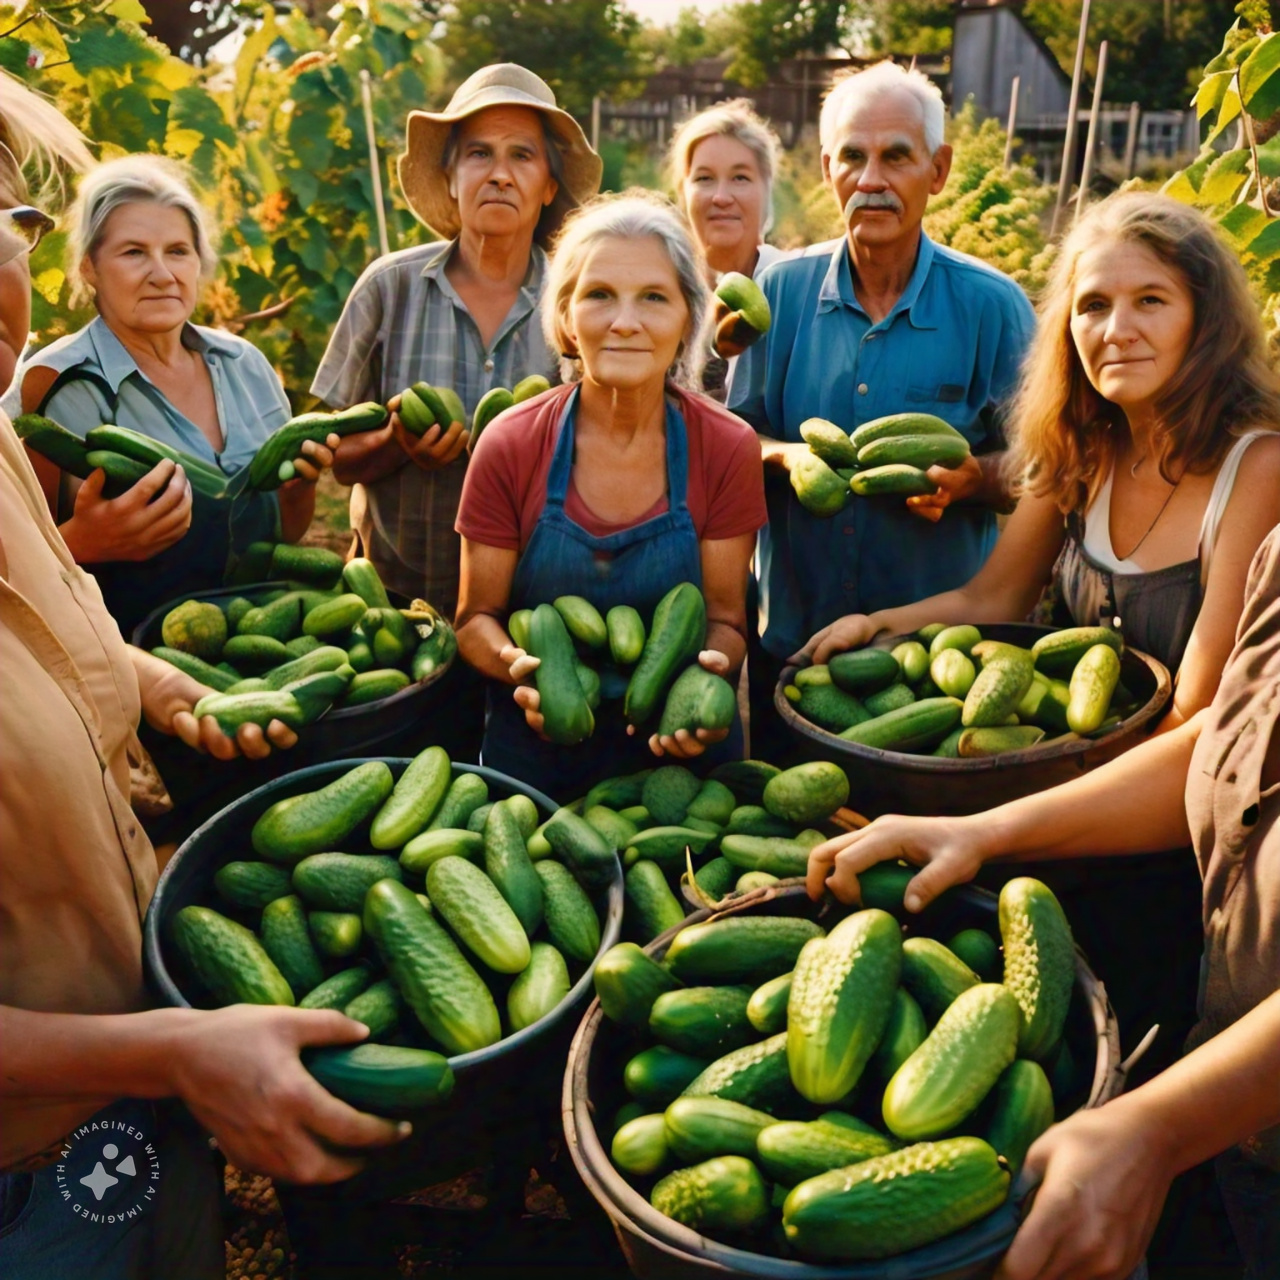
(881, 321)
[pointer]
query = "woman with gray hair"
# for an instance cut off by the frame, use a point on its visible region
(617, 486)
(141, 245)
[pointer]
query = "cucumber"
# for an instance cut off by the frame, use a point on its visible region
(739, 950)
(625, 629)
(1039, 962)
(978, 949)
(701, 1128)
(335, 933)
(322, 659)
(317, 565)
(1023, 1111)
(339, 990)
(699, 699)
(413, 800)
(976, 743)
(713, 803)
(755, 1075)
(1045, 704)
(896, 1202)
(894, 479)
(792, 1151)
(807, 793)
(1093, 682)
(617, 830)
(196, 668)
(668, 792)
(920, 726)
(777, 856)
(291, 829)
(285, 443)
(997, 689)
(650, 906)
(589, 680)
(567, 719)
(227, 959)
(961, 636)
(539, 988)
(508, 866)
(583, 621)
(946, 1078)
(473, 908)
(571, 920)
(904, 1033)
(231, 710)
(251, 885)
(703, 1021)
(494, 401)
(829, 442)
(864, 671)
(953, 672)
(617, 793)
(913, 658)
(255, 653)
(53, 441)
(716, 878)
(581, 846)
(665, 846)
(820, 489)
(1057, 653)
(756, 820)
(316, 693)
(518, 628)
(339, 881)
(949, 747)
(627, 983)
(480, 817)
(640, 1146)
(901, 424)
(440, 842)
(378, 1007)
(885, 885)
(677, 635)
(767, 1007)
(360, 577)
(923, 451)
(841, 996)
(334, 617)
(122, 472)
(658, 1076)
(390, 636)
(467, 792)
(933, 975)
(446, 994)
(890, 699)
(384, 1078)
(726, 1194)
(750, 880)
(434, 653)
(747, 779)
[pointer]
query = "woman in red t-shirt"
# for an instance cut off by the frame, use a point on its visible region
(615, 487)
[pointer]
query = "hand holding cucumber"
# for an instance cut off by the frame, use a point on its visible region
(682, 744)
(853, 631)
(314, 459)
(435, 448)
(526, 696)
(143, 521)
(955, 484)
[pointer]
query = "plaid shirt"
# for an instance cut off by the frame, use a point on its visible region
(403, 323)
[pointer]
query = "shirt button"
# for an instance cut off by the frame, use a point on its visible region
(862, 388)
(488, 366)
(871, 337)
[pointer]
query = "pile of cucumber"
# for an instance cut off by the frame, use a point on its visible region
(584, 657)
(747, 825)
(432, 918)
(879, 1092)
(948, 692)
(290, 655)
(886, 456)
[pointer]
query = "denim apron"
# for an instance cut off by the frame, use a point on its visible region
(635, 566)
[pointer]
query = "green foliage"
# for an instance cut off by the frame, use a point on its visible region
(1240, 188)
(276, 145)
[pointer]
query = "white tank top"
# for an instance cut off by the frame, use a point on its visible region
(1097, 520)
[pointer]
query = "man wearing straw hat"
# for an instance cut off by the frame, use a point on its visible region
(493, 174)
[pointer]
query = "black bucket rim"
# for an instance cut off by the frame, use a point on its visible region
(611, 927)
(906, 762)
(982, 1241)
(413, 689)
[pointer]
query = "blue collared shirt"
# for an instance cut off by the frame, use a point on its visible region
(951, 346)
(251, 404)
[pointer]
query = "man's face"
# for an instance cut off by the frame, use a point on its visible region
(501, 177)
(880, 171)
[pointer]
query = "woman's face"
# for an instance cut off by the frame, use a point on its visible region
(724, 194)
(627, 315)
(145, 272)
(501, 177)
(1132, 319)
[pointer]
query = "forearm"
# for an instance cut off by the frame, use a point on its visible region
(297, 507)
(367, 457)
(481, 638)
(1217, 1095)
(72, 1055)
(994, 489)
(1096, 815)
(728, 639)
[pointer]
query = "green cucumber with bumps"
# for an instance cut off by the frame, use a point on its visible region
(197, 668)
(617, 830)
(339, 881)
(747, 779)
(739, 950)
(413, 801)
(974, 744)
(901, 424)
(618, 793)
(807, 793)
(626, 634)
(657, 1076)
(774, 854)
(251, 885)
(677, 635)
(890, 699)
(627, 982)
(979, 950)
(863, 671)
(338, 991)
(383, 1078)
(665, 845)
(581, 846)
(650, 906)
(1093, 681)
(255, 653)
(668, 793)
(923, 451)
(913, 658)
(467, 792)
(756, 820)
(894, 479)
(829, 442)
(518, 627)
(337, 934)
(325, 658)
(232, 710)
(699, 699)
(934, 975)
(920, 726)
(539, 988)
(755, 1075)
(571, 920)
(1039, 962)
(509, 867)
(478, 914)
(791, 1151)
(440, 842)
(997, 689)
(704, 1021)
(567, 719)
(1057, 653)
(953, 672)
(360, 577)
(1023, 1110)
(227, 959)
(640, 1146)
(334, 617)
(716, 878)
(904, 1033)
(319, 820)
(379, 1007)
(702, 1128)
(767, 1007)
(726, 1194)
(582, 620)
(286, 441)
(373, 686)
(280, 619)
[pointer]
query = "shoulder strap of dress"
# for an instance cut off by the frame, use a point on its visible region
(78, 374)
(1220, 495)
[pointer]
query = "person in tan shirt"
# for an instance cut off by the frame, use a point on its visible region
(1213, 781)
(95, 1179)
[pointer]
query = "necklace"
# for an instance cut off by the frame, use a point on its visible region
(1134, 549)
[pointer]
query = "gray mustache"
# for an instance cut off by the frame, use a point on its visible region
(872, 200)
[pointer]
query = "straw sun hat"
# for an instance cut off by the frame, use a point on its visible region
(422, 177)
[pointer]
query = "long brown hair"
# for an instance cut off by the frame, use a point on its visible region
(1066, 435)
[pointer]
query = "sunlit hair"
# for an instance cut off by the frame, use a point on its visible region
(43, 142)
(627, 216)
(1065, 435)
(858, 87)
(735, 119)
(138, 179)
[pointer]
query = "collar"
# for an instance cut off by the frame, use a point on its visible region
(837, 286)
(531, 286)
(117, 364)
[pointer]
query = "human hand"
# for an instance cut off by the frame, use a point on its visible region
(733, 334)
(168, 699)
(682, 744)
(314, 459)
(949, 851)
(522, 665)
(853, 631)
(955, 484)
(239, 1073)
(142, 522)
(1105, 1178)
(780, 454)
(436, 448)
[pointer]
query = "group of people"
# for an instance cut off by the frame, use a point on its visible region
(1115, 427)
